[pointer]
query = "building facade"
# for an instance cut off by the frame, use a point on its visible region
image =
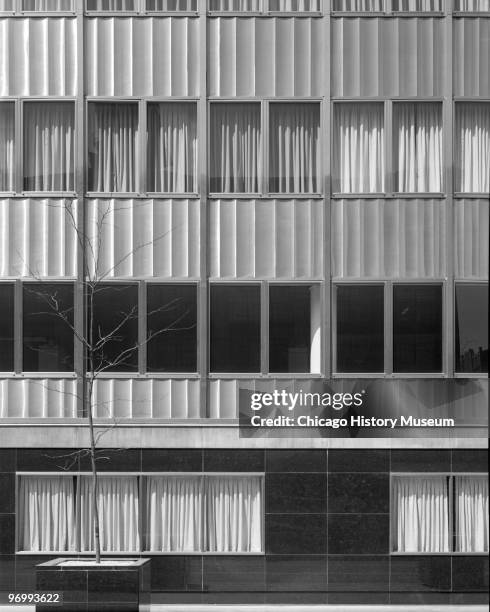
(264, 195)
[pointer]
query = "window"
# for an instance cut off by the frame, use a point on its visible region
(359, 155)
(471, 322)
(472, 5)
(294, 154)
(6, 5)
(472, 147)
(421, 6)
(6, 327)
(172, 328)
(47, 5)
(296, 6)
(234, 5)
(171, 5)
(358, 6)
(172, 147)
(7, 139)
(111, 5)
(193, 513)
(47, 327)
(440, 513)
(417, 149)
(112, 146)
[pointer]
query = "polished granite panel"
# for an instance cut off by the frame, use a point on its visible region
(470, 573)
(7, 534)
(470, 599)
(7, 572)
(362, 573)
(7, 459)
(115, 460)
(470, 460)
(175, 460)
(420, 460)
(292, 599)
(234, 573)
(354, 460)
(351, 534)
(225, 460)
(296, 573)
(120, 586)
(47, 459)
(296, 534)
(179, 573)
(359, 598)
(357, 493)
(25, 570)
(73, 583)
(223, 599)
(7, 493)
(421, 599)
(420, 573)
(296, 460)
(301, 493)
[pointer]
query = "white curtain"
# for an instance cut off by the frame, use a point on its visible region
(174, 513)
(6, 5)
(473, 5)
(47, 513)
(419, 147)
(235, 147)
(471, 507)
(295, 5)
(113, 132)
(234, 5)
(233, 514)
(111, 5)
(172, 147)
(117, 501)
(294, 148)
(418, 5)
(358, 5)
(47, 5)
(49, 146)
(171, 5)
(473, 147)
(421, 514)
(359, 156)
(7, 129)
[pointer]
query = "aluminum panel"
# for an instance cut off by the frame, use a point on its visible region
(471, 242)
(38, 398)
(471, 50)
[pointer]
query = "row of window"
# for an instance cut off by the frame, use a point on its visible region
(253, 328)
(241, 159)
(224, 513)
(254, 6)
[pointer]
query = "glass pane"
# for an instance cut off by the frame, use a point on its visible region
(112, 141)
(49, 135)
(421, 6)
(7, 139)
(358, 5)
(418, 146)
(171, 5)
(472, 5)
(360, 328)
(417, 328)
(115, 328)
(359, 157)
(289, 329)
(111, 5)
(172, 147)
(295, 5)
(235, 328)
(47, 326)
(471, 333)
(472, 147)
(294, 148)
(234, 5)
(172, 322)
(6, 5)
(47, 5)
(235, 148)
(471, 510)
(6, 327)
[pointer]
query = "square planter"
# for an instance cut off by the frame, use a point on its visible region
(116, 584)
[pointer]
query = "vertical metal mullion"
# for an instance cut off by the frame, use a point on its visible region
(325, 130)
(141, 184)
(19, 147)
(333, 329)
(18, 325)
(389, 170)
(264, 325)
(142, 327)
(388, 326)
(265, 139)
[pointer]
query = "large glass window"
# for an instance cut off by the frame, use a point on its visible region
(234, 5)
(7, 139)
(417, 328)
(6, 327)
(471, 334)
(47, 5)
(49, 146)
(472, 5)
(421, 6)
(471, 511)
(294, 152)
(48, 327)
(172, 328)
(295, 6)
(6, 5)
(111, 5)
(358, 6)
(472, 147)
(171, 5)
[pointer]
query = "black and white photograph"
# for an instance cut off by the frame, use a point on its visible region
(244, 258)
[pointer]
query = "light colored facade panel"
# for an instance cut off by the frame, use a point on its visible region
(266, 239)
(38, 398)
(38, 238)
(154, 56)
(38, 57)
(471, 241)
(144, 238)
(388, 238)
(471, 50)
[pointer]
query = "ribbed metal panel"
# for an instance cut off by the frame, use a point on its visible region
(265, 56)
(38, 237)
(471, 50)
(38, 398)
(266, 239)
(38, 57)
(153, 56)
(144, 237)
(471, 238)
(388, 57)
(399, 239)
(223, 399)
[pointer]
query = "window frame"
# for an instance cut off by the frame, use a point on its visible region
(389, 11)
(17, 12)
(265, 11)
(140, 10)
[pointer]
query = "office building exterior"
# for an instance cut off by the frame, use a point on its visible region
(268, 195)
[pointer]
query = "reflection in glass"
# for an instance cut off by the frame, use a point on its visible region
(6, 327)
(471, 334)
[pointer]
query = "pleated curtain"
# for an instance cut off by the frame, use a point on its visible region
(472, 5)
(417, 5)
(419, 146)
(359, 156)
(172, 147)
(471, 508)
(473, 147)
(234, 5)
(295, 5)
(421, 514)
(294, 148)
(358, 5)
(7, 130)
(49, 146)
(171, 5)
(47, 5)
(113, 133)
(111, 5)
(47, 513)
(235, 151)
(118, 510)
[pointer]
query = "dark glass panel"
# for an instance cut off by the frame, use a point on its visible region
(6, 327)
(471, 335)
